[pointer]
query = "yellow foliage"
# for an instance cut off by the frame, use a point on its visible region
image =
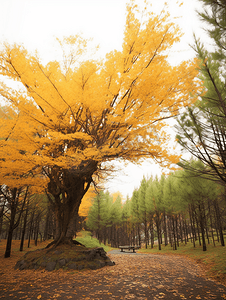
(86, 202)
(73, 114)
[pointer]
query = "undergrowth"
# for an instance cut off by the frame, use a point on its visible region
(85, 238)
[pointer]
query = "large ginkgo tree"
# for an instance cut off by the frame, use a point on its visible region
(64, 120)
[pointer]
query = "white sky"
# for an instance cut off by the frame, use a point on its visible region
(36, 23)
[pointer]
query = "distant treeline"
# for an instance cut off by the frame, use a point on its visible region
(182, 207)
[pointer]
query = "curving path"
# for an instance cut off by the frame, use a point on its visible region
(135, 276)
(164, 277)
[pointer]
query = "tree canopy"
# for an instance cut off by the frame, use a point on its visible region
(63, 120)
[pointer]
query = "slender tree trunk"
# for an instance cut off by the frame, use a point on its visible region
(185, 229)
(202, 226)
(138, 233)
(211, 222)
(105, 236)
(191, 214)
(157, 222)
(2, 214)
(145, 232)
(10, 232)
(23, 233)
(197, 224)
(7, 230)
(30, 229)
(47, 224)
(181, 228)
(24, 227)
(133, 235)
(36, 231)
(219, 223)
(165, 228)
(16, 235)
(205, 222)
(14, 200)
(177, 230)
(152, 231)
(170, 230)
(174, 234)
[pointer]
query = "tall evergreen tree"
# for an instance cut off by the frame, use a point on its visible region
(196, 191)
(214, 15)
(126, 233)
(115, 218)
(202, 128)
(143, 215)
(154, 203)
(135, 216)
(98, 214)
(172, 203)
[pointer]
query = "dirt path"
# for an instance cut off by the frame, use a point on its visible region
(135, 276)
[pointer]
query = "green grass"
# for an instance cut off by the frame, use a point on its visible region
(214, 258)
(84, 237)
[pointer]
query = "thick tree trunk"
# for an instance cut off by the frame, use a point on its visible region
(65, 223)
(66, 201)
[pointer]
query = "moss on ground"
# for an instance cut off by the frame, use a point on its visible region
(66, 257)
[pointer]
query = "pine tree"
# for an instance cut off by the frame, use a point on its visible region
(143, 215)
(126, 234)
(197, 191)
(202, 128)
(115, 219)
(97, 215)
(135, 217)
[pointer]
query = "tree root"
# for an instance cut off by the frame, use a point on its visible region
(56, 243)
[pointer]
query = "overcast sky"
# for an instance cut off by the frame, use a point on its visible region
(36, 24)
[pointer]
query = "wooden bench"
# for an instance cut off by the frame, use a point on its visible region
(129, 248)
